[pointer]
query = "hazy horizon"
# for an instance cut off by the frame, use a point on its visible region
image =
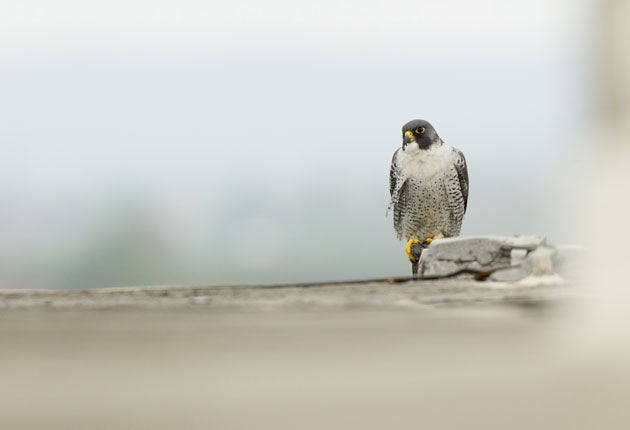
(211, 156)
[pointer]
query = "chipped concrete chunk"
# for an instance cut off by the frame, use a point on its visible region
(447, 257)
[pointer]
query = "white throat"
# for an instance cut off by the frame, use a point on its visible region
(424, 163)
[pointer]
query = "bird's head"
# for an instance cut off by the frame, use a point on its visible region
(421, 132)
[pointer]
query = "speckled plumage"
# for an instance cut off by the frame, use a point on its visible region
(428, 186)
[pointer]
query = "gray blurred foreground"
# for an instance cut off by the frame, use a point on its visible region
(389, 353)
(374, 355)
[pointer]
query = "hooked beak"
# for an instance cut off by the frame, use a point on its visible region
(408, 137)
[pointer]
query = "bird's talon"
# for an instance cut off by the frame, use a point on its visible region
(408, 249)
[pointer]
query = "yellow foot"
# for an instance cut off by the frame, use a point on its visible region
(410, 255)
(430, 240)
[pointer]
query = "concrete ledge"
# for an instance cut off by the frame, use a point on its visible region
(383, 293)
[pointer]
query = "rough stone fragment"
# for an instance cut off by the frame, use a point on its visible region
(510, 274)
(447, 257)
(539, 262)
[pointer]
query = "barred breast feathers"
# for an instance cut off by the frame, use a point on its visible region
(422, 165)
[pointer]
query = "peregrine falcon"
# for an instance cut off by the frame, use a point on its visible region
(428, 183)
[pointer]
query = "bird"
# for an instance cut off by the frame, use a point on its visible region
(428, 185)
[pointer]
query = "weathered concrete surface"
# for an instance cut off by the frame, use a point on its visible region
(449, 354)
(198, 367)
(501, 258)
(367, 355)
(392, 293)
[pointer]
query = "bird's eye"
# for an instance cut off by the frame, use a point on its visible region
(419, 130)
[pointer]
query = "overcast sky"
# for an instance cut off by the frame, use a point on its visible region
(226, 121)
(534, 26)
